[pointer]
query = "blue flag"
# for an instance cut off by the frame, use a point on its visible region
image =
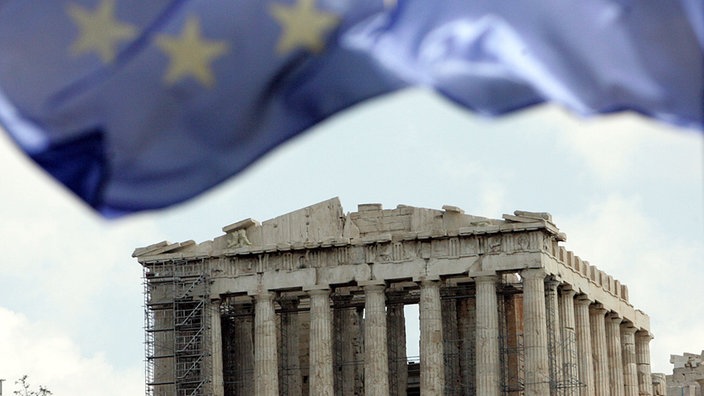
(137, 105)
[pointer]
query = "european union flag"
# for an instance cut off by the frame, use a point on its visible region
(138, 104)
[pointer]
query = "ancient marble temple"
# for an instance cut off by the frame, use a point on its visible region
(312, 303)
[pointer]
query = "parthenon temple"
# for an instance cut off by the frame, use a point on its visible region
(314, 302)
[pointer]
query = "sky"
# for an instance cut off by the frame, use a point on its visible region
(628, 192)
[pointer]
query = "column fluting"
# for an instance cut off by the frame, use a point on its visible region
(487, 337)
(613, 345)
(432, 374)
(320, 353)
(630, 369)
(535, 340)
(266, 375)
(569, 341)
(584, 345)
(645, 380)
(376, 363)
(600, 354)
(552, 315)
(396, 340)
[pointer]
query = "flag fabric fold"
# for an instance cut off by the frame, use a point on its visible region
(137, 105)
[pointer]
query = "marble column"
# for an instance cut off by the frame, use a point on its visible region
(659, 384)
(613, 345)
(600, 354)
(645, 381)
(432, 374)
(321, 374)
(630, 370)
(569, 341)
(266, 375)
(215, 340)
(376, 361)
(290, 373)
(552, 314)
(535, 340)
(487, 337)
(584, 345)
(396, 341)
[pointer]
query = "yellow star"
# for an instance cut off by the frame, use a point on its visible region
(100, 32)
(190, 55)
(303, 26)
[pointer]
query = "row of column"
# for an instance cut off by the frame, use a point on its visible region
(568, 343)
(376, 343)
(572, 343)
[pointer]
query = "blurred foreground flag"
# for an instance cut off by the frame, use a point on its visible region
(136, 104)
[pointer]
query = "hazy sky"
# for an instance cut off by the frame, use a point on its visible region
(628, 193)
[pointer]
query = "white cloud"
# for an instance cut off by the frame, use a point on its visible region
(608, 147)
(55, 361)
(615, 147)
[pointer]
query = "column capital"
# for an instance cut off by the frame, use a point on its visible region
(486, 279)
(265, 296)
(533, 273)
(371, 287)
(615, 317)
(567, 290)
(582, 299)
(429, 282)
(551, 284)
(628, 328)
(644, 335)
(598, 309)
(318, 292)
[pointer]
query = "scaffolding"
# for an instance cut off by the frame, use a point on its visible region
(178, 337)
(562, 356)
(177, 329)
(459, 329)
